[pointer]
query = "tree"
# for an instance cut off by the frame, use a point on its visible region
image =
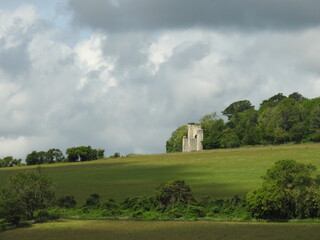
(297, 96)
(10, 206)
(33, 189)
(9, 161)
(172, 192)
(273, 101)
(212, 130)
(82, 153)
(237, 107)
(174, 144)
(54, 155)
(290, 190)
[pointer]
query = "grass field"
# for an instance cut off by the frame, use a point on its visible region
(216, 173)
(123, 230)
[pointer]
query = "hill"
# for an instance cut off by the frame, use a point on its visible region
(216, 173)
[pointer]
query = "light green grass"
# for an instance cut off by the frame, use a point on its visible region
(123, 230)
(217, 173)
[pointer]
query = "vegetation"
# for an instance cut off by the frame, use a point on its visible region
(9, 161)
(83, 153)
(278, 120)
(24, 194)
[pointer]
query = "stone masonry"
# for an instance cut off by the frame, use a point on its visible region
(194, 140)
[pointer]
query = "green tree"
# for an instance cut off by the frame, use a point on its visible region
(212, 130)
(273, 101)
(10, 206)
(9, 161)
(82, 153)
(289, 190)
(34, 190)
(54, 155)
(297, 96)
(173, 192)
(237, 107)
(174, 144)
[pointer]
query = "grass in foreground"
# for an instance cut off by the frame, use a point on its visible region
(122, 230)
(217, 173)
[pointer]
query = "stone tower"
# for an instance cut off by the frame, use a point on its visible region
(194, 140)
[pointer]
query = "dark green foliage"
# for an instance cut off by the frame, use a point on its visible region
(9, 161)
(237, 107)
(173, 192)
(115, 155)
(289, 190)
(279, 120)
(10, 206)
(33, 189)
(82, 153)
(67, 202)
(174, 144)
(93, 200)
(44, 216)
(51, 156)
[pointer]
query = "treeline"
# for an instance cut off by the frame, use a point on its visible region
(290, 190)
(74, 154)
(279, 119)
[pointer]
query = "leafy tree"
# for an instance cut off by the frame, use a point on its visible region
(273, 101)
(237, 107)
(10, 206)
(173, 192)
(174, 144)
(54, 155)
(93, 199)
(289, 190)
(82, 153)
(9, 161)
(297, 96)
(213, 131)
(229, 139)
(33, 189)
(67, 202)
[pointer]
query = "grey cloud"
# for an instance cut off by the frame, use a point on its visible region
(146, 15)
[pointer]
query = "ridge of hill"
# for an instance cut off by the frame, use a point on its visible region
(217, 173)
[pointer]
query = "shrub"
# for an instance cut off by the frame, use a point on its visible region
(43, 216)
(67, 202)
(289, 190)
(93, 200)
(173, 192)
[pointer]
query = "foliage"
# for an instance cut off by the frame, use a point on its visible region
(115, 155)
(10, 206)
(67, 202)
(41, 216)
(51, 156)
(174, 144)
(237, 107)
(172, 192)
(289, 190)
(9, 161)
(33, 189)
(279, 120)
(93, 200)
(83, 153)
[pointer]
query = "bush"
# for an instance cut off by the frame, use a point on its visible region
(3, 224)
(173, 192)
(43, 216)
(289, 190)
(67, 202)
(93, 200)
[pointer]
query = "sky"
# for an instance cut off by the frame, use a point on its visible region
(122, 75)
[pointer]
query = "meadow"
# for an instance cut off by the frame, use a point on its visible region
(138, 230)
(217, 173)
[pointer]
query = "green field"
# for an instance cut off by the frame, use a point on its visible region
(216, 173)
(123, 230)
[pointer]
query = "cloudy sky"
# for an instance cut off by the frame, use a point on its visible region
(123, 74)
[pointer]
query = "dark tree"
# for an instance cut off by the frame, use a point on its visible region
(237, 107)
(289, 190)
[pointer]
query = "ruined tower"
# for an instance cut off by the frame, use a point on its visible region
(194, 140)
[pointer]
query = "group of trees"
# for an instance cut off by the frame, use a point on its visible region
(278, 120)
(74, 154)
(9, 161)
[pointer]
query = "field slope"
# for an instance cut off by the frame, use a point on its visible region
(216, 173)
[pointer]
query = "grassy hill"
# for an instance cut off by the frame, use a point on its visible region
(216, 173)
